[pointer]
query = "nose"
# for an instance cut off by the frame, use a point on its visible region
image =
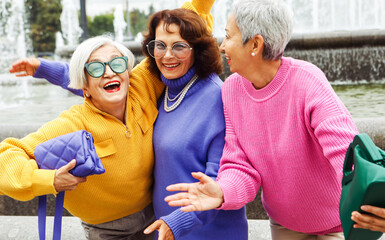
(108, 71)
(168, 53)
(222, 46)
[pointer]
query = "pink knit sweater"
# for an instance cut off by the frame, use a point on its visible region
(290, 138)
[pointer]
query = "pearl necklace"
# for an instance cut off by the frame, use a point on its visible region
(181, 95)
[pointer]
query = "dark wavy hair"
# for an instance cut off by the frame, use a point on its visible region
(192, 29)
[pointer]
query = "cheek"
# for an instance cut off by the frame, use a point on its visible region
(158, 62)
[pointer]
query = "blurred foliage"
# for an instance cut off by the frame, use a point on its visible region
(100, 24)
(138, 21)
(104, 23)
(44, 20)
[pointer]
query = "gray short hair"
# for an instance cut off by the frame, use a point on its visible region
(272, 19)
(78, 78)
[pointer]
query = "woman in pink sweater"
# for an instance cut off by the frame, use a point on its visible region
(286, 131)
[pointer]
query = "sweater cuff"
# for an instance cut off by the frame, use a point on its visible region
(52, 71)
(42, 182)
(233, 199)
(179, 222)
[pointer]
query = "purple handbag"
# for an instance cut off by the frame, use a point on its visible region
(58, 152)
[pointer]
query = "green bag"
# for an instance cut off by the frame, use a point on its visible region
(365, 184)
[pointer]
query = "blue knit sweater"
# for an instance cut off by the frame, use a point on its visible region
(188, 139)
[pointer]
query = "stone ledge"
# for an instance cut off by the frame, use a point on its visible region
(26, 227)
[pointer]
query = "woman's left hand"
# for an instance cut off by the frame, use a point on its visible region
(164, 230)
(375, 222)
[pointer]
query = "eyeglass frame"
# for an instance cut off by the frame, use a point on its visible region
(167, 47)
(86, 66)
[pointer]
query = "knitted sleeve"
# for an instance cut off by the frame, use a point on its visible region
(56, 73)
(238, 178)
(329, 120)
(20, 177)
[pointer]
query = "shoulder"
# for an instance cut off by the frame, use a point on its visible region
(303, 70)
(214, 81)
(233, 83)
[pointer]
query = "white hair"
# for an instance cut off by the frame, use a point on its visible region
(78, 78)
(272, 19)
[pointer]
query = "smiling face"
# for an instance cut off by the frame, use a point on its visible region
(237, 54)
(168, 65)
(109, 91)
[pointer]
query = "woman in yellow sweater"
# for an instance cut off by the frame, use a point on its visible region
(122, 131)
(121, 120)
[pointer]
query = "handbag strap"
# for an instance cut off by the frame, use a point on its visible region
(365, 143)
(57, 219)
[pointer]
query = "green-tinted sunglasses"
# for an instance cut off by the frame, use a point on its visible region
(96, 69)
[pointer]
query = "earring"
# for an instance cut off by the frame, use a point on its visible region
(87, 95)
(253, 54)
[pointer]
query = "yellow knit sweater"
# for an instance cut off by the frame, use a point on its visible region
(126, 186)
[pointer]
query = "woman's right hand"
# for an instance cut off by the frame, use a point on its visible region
(65, 181)
(25, 67)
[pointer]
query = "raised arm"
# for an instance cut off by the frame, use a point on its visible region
(54, 72)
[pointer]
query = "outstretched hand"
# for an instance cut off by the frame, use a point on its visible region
(375, 222)
(64, 180)
(200, 196)
(25, 67)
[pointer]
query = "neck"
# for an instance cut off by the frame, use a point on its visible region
(176, 85)
(262, 72)
(117, 110)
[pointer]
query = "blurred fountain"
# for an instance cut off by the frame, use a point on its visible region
(319, 15)
(69, 19)
(330, 15)
(119, 24)
(14, 41)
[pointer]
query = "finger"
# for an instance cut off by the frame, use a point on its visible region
(177, 196)
(375, 210)
(82, 179)
(179, 203)
(189, 208)
(178, 187)
(22, 75)
(161, 234)
(203, 178)
(151, 228)
(368, 222)
(69, 165)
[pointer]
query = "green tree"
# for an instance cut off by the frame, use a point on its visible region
(138, 20)
(44, 19)
(101, 24)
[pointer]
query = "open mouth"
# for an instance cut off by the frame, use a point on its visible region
(112, 86)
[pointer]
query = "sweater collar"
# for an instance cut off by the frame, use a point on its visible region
(273, 87)
(176, 85)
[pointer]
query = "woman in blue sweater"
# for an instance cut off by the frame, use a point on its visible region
(190, 128)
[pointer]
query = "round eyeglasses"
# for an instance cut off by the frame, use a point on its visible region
(158, 49)
(96, 69)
